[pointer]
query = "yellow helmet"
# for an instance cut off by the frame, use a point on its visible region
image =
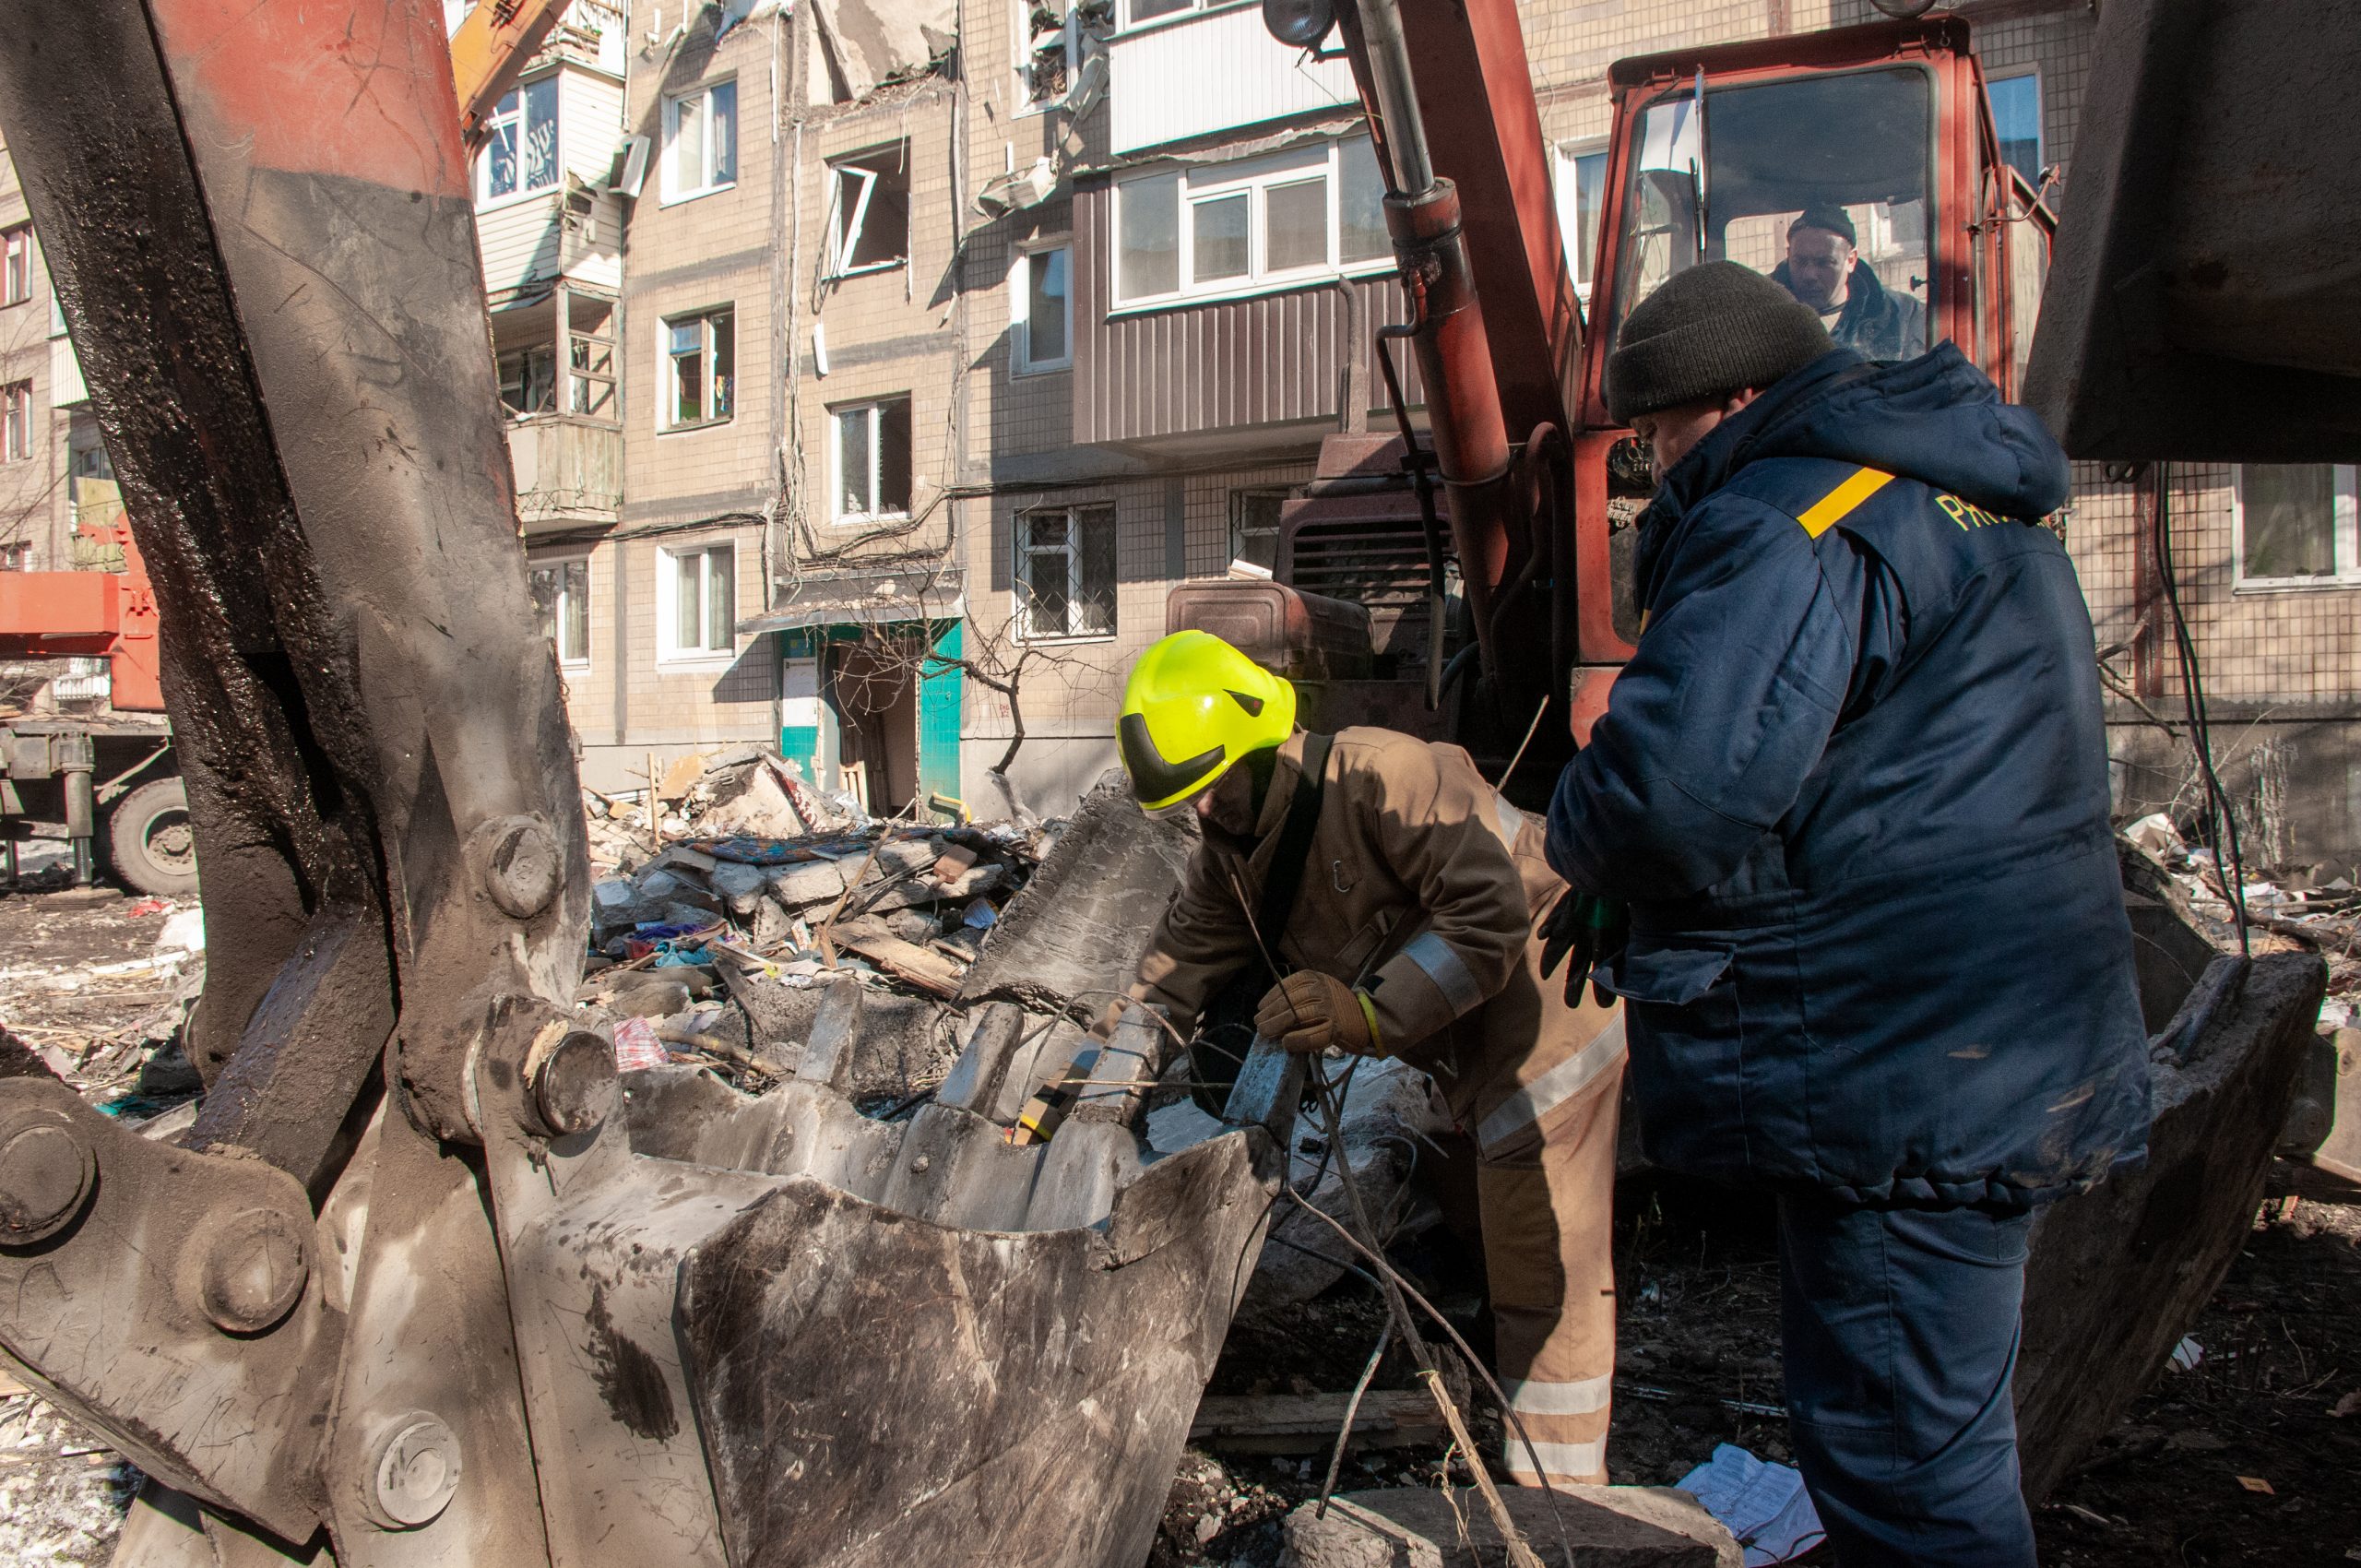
(1193, 706)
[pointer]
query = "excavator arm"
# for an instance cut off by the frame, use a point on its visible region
(494, 44)
(419, 1286)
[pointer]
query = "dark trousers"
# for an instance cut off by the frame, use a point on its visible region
(1900, 1331)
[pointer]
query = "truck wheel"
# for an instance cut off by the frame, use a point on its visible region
(150, 842)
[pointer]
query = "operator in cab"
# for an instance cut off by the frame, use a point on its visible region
(1840, 842)
(1382, 897)
(1823, 269)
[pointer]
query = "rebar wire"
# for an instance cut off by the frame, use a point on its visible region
(2221, 818)
(1397, 1291)
(1352, 1410)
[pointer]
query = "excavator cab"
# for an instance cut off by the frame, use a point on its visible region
(1859, 167)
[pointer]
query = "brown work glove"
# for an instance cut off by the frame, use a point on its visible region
(1309, 1011)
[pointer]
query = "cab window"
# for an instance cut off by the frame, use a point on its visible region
(1821, 182)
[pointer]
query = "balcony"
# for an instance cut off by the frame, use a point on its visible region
(569, 471)
(1205, 72)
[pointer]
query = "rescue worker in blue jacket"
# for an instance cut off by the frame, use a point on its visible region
(1851, 795)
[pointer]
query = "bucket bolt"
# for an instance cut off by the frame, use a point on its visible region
(256, 1265)
(46, 1171)
(414, 1472)
(575, 1088)
(520, 862)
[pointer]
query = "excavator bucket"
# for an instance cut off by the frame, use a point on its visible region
(427, 1281)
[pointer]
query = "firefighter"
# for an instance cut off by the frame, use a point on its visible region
(1384, 897)
(1851, 792)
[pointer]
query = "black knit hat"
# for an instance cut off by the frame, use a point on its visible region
(1713, 329)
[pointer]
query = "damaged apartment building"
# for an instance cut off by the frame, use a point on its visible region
(877, 370)
(54, 475)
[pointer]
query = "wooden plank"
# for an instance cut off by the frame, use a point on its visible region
(931, 972)
(1308, 1423)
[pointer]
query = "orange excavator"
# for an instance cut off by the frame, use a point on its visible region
(424, 1280)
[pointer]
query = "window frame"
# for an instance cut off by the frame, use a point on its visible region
(481, 180)
(666, 402)
(1567, 197)
(1020, 308)
(669, 128)
(846, 237)
(1020, 576)
(16, 421)
(670, 560)
(1238, 497)
(1200, 183)
(1129, 24)
(2040, 119)
(565, 661)
(2344, 541)
(875, 409)
(17, 264)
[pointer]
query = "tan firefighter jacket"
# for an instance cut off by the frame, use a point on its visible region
(1422, 887)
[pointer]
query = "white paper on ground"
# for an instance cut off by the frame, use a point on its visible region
(1764, 1505)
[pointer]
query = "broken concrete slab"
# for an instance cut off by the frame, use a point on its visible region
(1080, 925)
(1389, 1108)
(2168, 954)
(1609, 1527)
(2113, 1278)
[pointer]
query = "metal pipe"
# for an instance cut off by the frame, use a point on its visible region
(81, 822)
(1397, 98)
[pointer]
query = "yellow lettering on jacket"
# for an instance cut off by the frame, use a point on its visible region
(1967, 513)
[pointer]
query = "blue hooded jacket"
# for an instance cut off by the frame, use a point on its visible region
(1854, 787)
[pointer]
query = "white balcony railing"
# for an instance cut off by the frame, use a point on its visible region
(1211, 72)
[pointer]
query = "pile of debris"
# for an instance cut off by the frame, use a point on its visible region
(2317, 907)
(714, 927)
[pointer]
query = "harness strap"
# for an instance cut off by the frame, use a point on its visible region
(1285, 879)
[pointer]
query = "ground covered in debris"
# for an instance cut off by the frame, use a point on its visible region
(2244, 1457)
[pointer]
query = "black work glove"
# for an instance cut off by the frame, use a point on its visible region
(1591, 928)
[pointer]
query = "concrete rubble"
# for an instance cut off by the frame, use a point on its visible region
(717, 930)
(1426, 1527)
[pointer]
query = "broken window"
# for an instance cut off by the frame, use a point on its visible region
(869, 221)
(91, 486)
(16, 269)
(698, 608)
(16, 421)
(701, 140)
(2016, 117)
(529, 380)
(701, 356)
(1041, 303)
(1255, 527)
(520, 143)
(871, 459)
(1303, 214)
(562, 602)
(2295, 525)
(1065, 571)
